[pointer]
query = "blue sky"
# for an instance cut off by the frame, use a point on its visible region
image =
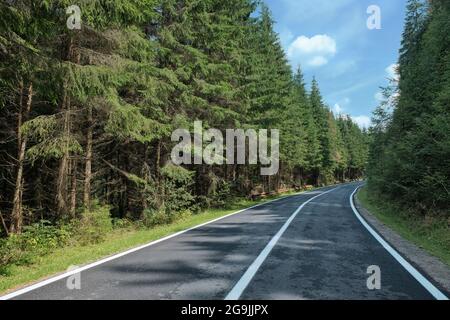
(330, 40)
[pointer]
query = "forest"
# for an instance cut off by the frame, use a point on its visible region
(409, 163)
(92, 91)
(86, 115)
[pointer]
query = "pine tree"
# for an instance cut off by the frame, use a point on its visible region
(409, 149)
(295, 142)
(86, 115)
(319, 113)
(19, 27)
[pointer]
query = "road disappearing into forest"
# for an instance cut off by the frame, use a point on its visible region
(307, 246)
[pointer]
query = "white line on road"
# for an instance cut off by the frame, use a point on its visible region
(242, 284)
(97, 263)
(435, 292)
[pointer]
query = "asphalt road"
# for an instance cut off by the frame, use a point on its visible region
(323, 253)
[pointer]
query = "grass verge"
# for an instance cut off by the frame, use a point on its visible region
(430, 233)
(118, 241)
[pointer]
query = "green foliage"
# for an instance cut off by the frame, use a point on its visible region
(94, 225)
(158, 218)
(409, 160)
(107, 98)
(127, 122)
(219, 193)
(177, 183)
(37, 240)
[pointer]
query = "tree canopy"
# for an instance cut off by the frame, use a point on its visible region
(410, 151)
(87, 115)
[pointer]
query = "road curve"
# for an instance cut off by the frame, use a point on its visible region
(323, 253)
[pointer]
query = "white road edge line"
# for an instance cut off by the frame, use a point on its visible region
(243, 282)
(116, 256)
(435, 292)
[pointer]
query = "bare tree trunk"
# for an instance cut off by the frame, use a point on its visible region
(160, 186)
(17, 214)
(278, 179)
(73, 189)
(88, 168)
(146, 176)
(62, 181)
(226, 171)
(62, 187)
(158, 160)
(61, 184)
(4, 224)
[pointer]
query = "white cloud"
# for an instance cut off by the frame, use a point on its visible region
(315, 50)
(337, 108)
(390, 101)
(379, 96)
(319, 44)
(362, 121)
(286, 37)
(392, 72)
(317, 61)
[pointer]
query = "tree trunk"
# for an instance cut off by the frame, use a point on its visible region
(88, 168)
(17, 214)
(160, 186)
(73, 189)
(278, 178)
(146, 176)
(4, 224)
(62, 181)
(61, 185)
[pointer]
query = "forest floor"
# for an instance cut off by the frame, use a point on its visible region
(430, 233)
(115, 242)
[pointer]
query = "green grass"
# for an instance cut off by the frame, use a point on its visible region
(118, 241)
(430, 233)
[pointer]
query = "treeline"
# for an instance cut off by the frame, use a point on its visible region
(86, 116)
(410, 154)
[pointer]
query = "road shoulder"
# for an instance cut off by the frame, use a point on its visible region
(432, 266)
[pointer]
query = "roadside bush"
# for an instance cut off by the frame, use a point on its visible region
(219, 193)
(10, 252)
(123, 224)
(36, 240)
(94, 225)
(43, 237)
(154, 218)
(177, 184)
(162, 217)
